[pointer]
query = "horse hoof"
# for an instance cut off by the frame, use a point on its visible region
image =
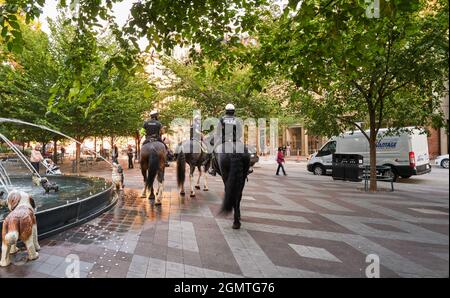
(151, 198)
(205, 189)
(192, 195)
(157, 203)
(182, 193)
(197, 187)
(236, 225)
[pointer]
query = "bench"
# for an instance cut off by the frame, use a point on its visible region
(380, 176)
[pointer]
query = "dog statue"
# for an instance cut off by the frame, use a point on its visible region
(117, 176)
(47, 185)
(19, 224)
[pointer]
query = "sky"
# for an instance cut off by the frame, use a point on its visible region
(121, 12)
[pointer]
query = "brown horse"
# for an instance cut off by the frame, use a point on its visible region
(153, 160)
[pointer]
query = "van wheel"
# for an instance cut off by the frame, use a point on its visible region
(391, 173)
(318, 170)
(444, 163)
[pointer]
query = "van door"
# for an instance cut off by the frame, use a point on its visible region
(326, 154)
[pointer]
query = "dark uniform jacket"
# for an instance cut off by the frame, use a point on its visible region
(152, 129)
(229, 129)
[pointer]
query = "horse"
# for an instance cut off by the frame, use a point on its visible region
(153, 164)
(232, 161)
(191, 152)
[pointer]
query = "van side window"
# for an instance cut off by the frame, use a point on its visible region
(329, 148)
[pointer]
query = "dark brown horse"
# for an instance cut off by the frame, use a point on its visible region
(232, 164)
(153, 160)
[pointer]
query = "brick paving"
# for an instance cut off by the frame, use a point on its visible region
(295, 226)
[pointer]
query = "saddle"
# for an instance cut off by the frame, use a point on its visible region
(151, 139)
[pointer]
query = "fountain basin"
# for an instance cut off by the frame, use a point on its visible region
(79, 199)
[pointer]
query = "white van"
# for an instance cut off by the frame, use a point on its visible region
(406, 154)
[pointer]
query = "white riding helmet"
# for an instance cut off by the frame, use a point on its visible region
(154, 112)
(229, 107)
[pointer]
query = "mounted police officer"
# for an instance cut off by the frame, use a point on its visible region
(229, 130)
(153, 128)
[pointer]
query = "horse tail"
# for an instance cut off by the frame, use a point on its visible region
(153, 167)
(234, 184)
(181, 168)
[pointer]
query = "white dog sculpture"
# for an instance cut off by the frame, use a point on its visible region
(117, 176)
(19, 224)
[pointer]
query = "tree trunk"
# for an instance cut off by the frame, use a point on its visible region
(43, 148)
(95, 148)
(138, 147)
(55, 150)
(78, 155)
(373, 152)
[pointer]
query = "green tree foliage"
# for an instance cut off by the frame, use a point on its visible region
(351, 68)
(165, 23)
(202, 89)
(108, 103)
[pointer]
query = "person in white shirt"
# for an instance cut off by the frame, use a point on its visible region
(36, 157)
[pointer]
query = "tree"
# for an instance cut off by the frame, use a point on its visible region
(92, 96)
(25, 80)
(353, 71)
(113, 105)
(165, 23)
(202, 88)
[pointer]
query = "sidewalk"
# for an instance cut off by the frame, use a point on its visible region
(296, 226)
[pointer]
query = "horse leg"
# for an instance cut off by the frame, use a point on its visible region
(205, 178)
(237, 215)
(152, 193)
(191, 176)
(159, 195)
(144, 190)
(197, 186)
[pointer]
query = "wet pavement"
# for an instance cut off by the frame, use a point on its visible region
(295, 226)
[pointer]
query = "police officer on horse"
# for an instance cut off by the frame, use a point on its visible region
(229, 129)
(153, 128)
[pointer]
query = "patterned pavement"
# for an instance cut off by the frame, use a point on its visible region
(295, 226)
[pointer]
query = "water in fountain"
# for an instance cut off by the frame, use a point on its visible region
(10, 120)
(71, 188)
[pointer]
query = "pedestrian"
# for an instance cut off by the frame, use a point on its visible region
(36, 157)
(280, 161)
(63, 151)
(288, 150)
(115, 154)
(130, 157)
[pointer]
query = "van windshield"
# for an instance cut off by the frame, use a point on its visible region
(328, 148)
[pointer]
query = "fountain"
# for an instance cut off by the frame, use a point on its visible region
(77, 200)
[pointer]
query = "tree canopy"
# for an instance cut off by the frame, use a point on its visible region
(357, 72)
